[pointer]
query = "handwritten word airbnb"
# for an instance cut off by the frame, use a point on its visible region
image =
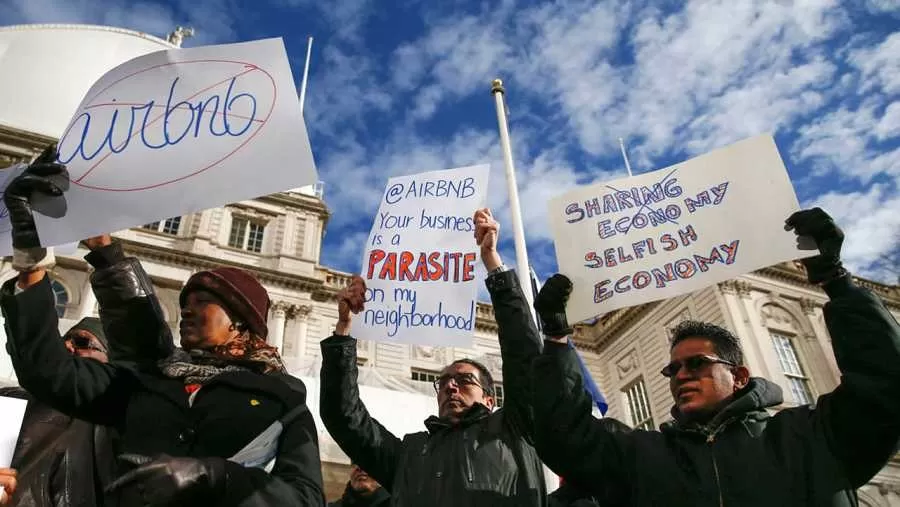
(210, 115)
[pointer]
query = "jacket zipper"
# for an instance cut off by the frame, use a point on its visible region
(709, 440)
(468, 460)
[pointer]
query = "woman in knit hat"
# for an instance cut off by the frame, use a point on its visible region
(189, 423)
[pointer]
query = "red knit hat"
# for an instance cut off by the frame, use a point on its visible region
(241, 293)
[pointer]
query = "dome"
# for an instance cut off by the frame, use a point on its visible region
(47, 70)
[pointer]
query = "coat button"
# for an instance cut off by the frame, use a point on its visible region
(186, 436)
(438, 475)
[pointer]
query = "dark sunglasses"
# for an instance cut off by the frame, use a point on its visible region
(460, 379)
(84, 343)
(692, 364)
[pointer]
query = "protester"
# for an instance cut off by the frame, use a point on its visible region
(63, 461)
(183, 418)
(723, 447)
(470, 455)
(362, 491)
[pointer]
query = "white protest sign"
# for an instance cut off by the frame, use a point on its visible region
(178, 131)
(420, 259)
(13, 410)
(676, 230)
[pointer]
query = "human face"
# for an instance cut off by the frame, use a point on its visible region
(701, 392)
(361, 482)
(204, 321)
(455, 399)
(82, 343)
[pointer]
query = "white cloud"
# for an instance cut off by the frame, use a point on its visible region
(871, 222)
(879, 65)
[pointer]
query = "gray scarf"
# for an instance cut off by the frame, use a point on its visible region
(195, 367)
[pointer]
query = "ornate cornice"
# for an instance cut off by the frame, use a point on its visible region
(193, 260)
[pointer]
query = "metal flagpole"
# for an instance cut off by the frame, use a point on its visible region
(305, 75)
(625, 156)
(522, 266)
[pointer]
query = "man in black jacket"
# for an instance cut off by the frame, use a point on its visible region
(723, 447)
(362, 491)
(470, 455)
(62, 461)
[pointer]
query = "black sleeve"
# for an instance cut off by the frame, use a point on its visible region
(82, 388)
(369, 444)
(520, 344)
(133, 321)
(588, 453)
(296, 478)
(861, 417)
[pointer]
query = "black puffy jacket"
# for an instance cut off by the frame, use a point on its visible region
(803, 456)
(487, 460)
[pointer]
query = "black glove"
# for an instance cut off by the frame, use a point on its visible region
(45, 176)
(551, 306)
(816, 224)
(169, 481)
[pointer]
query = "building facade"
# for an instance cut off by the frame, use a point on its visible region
(774, 311)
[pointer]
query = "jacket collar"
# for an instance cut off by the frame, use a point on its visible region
(748, 403)
(351, 497)
(474, 414)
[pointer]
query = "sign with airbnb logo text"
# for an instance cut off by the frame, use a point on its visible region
(178, 131)
(420, 260)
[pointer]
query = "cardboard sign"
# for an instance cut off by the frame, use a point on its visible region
(420, 260)
(676, 230)
(178, 131)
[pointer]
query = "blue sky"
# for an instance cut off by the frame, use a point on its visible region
(401, 87)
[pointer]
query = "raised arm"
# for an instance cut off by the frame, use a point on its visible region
(866, 341)
(369, 444)
(520, 342)
(83, 388)
(129, 308)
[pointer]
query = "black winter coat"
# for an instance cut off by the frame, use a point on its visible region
(487, 460)
(61, 461)
(153, 413)
(815, 456)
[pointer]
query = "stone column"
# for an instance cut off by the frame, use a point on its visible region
(301, 313)
(88, 299)
(276, 328)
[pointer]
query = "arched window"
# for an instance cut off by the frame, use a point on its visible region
(61, 296)
(783, 331)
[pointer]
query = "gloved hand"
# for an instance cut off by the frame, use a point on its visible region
(819, 226)
(169, 481)
(44, 175)
(550, 304)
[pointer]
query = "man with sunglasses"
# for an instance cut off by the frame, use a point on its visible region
(723, 446)
(56, 457)
(470, 454)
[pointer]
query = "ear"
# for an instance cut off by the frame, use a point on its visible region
(488, 401)
(741, 377)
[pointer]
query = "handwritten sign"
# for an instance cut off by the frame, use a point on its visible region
(420, 259)
(178, 131)
(13, 410)
(676, 230)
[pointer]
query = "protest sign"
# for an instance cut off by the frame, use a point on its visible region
(420, 259)
(676, 230)
(13, 410)
(178, 131)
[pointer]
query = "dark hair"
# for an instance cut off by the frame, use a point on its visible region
(487, 380)
(725, 343)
